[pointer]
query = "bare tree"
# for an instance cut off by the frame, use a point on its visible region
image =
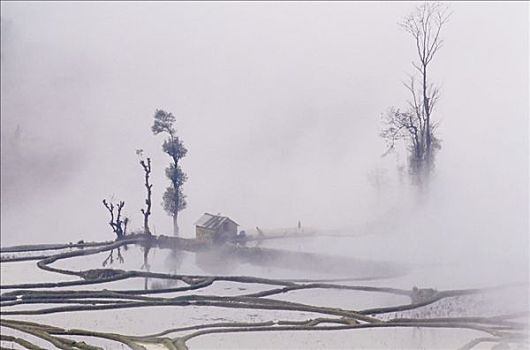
(147, 211)
(415, 124)
(119, 226)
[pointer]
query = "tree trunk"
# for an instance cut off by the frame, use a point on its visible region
(175, 225)
(427, 115)
(146, 225)
(177, 202)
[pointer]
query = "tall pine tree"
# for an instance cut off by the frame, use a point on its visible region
(173, 200)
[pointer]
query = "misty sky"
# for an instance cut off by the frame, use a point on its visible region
(279, 105)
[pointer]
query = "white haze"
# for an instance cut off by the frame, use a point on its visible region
(279, 105)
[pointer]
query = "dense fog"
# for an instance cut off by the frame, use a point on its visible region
(280, 107)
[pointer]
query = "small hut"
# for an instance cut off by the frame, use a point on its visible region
(215, 228)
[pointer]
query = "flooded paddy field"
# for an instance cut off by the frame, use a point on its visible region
(507, 297)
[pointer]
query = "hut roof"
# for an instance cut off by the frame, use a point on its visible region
(213, 222)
